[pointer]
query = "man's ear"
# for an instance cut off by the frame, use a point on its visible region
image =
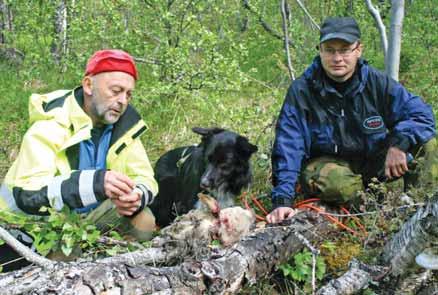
(359, 50)
(87, 85)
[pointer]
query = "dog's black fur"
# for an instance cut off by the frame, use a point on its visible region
(219, 165)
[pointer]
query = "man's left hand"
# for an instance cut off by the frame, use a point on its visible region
(395, 164)
(127, 204)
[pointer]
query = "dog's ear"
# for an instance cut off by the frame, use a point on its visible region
(206, 132)
(244, 147)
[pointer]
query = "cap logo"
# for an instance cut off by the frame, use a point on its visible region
(373, 123)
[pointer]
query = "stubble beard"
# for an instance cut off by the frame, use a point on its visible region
(102, 113)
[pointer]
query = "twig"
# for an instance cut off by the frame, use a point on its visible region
(286, 39)
(25, 251)
(111, 241)
(308, 14)
(257, 81)
(314, 252)
(380, 26)
(373, 212)
(264, 24)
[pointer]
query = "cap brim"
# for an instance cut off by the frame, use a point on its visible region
(342, 36)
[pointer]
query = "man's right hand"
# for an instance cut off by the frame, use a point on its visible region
(280, 213)
(117, 184)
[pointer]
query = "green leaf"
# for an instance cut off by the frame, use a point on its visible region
(66, 249)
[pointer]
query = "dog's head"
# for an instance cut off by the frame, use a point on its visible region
(226, 158)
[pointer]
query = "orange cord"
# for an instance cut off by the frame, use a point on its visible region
(306, 204)
(356, 221)
(259, 205)
(247, 206)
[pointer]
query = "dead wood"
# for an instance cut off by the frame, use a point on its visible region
(224, 271)
(415, 235)
(398, 256)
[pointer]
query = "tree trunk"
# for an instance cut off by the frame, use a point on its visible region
(5, 20)
(285, 22)
(419, 232)
(392, 63)
(380, 26)
(59, 45)
(415, 235)
(223, 272)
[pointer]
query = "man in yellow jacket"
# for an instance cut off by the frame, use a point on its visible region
(83, 150)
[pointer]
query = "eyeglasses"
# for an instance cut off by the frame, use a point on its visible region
(344, 52)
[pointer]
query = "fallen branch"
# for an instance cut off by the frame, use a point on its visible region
(414, 236)
(355, 279)
(224, 271)
(25, 251)
(399, 253)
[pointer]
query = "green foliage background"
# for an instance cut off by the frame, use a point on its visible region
(201, 63)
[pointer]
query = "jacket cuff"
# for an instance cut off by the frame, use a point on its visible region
(399, 141)
(281, 202)
(146, 198)
(98, 184)
(147, 194)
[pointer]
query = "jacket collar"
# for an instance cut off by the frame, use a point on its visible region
(316, 77)
(81, 123)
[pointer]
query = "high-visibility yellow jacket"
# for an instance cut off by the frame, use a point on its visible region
(45, 171)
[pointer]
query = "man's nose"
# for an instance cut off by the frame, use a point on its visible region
(123, 98)
(337, 56)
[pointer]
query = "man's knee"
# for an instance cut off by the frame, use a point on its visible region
(141, 226)
(331, 180)
(428, 163)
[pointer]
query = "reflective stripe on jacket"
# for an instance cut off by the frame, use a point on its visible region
(317, 120)
(45, 171)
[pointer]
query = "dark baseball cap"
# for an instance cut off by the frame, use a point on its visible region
(344, 28)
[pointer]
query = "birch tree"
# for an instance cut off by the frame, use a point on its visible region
(5, 20)
(392, 63)
(391, 49)
(59, 45)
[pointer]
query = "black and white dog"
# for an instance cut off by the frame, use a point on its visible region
(219, 165)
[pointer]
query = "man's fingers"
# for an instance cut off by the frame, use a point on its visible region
(290, 214)
(117, 184)
(123, 204)
(129, 198)
(113, 191)
(122, 186)
(125, 180)
(404, 166)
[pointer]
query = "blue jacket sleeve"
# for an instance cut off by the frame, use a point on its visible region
(411, 118)
(288, 153)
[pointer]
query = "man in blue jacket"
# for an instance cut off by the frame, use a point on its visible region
(343, 123)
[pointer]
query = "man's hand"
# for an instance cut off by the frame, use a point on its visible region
(395, 164)
(279, 214)
(117, 184)
(127, 204)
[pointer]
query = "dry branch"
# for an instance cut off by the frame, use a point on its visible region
(264, 24)
(24, 251)
(415, 235)
(224, 271)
